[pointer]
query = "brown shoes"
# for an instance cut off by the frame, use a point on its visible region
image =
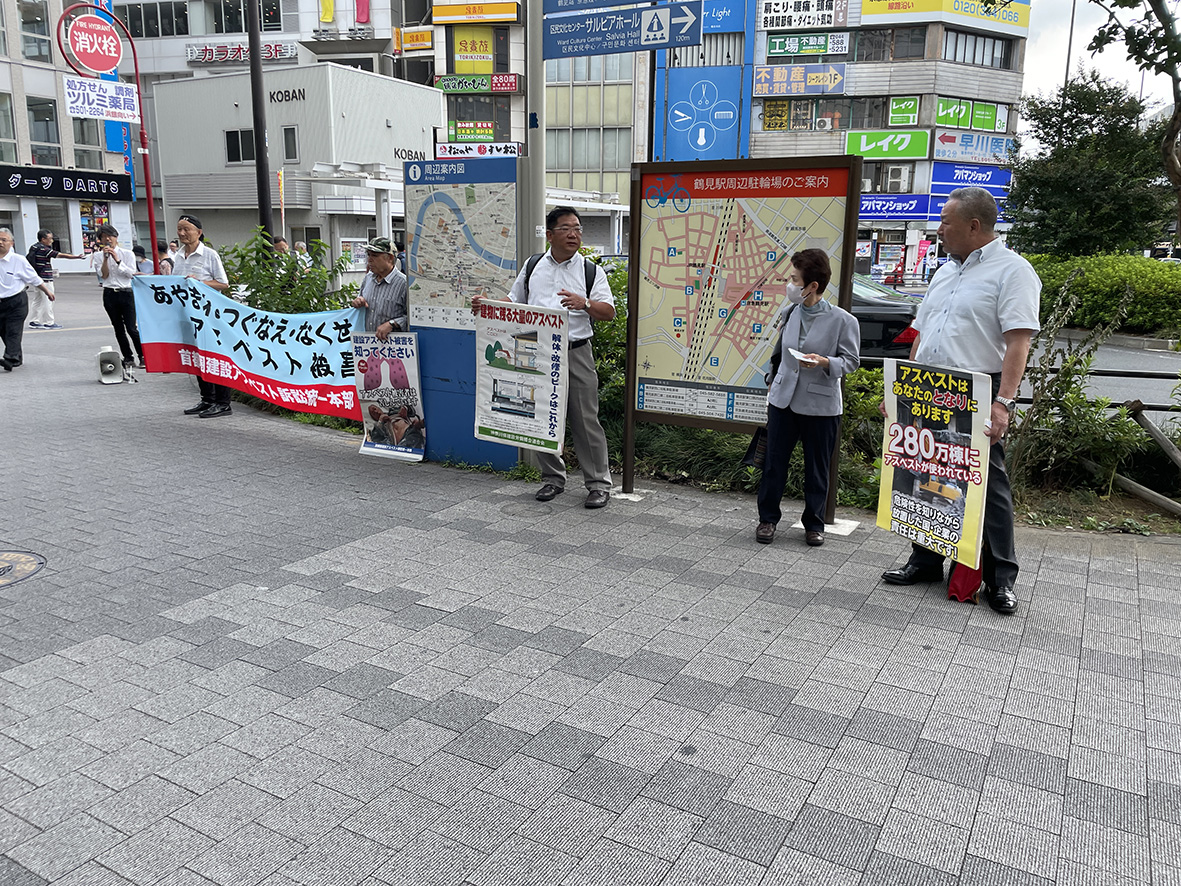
(814, 539)
(765, 534)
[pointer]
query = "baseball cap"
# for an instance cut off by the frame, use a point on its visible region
(381, 245)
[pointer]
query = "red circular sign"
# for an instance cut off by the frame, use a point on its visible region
(95, 43)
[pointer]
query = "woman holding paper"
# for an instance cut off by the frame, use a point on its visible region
(818, 344)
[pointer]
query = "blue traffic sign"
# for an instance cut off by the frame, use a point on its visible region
(623, 30)
(946, 177)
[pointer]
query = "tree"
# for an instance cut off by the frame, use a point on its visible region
(1095, 184)
(1153, 44)
(286, 283)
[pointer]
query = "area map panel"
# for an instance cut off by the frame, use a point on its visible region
(715, 253)
(461, 237)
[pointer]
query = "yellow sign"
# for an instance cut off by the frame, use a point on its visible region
(1011, 18)
(418, 38)
(776, 115)
(830, 78)
(474, 12)
(473, 49)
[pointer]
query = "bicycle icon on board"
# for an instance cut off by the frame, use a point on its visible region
(656, 195)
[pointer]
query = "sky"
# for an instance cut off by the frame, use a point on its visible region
(1045, 53)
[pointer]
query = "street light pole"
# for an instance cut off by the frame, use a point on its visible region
(262, 167)
(531, 183)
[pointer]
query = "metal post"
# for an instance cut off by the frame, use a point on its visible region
(262, 169)
(531, 181)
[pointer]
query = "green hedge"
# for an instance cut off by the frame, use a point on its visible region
(1156, 305)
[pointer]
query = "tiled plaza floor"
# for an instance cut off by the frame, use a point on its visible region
(257, 657)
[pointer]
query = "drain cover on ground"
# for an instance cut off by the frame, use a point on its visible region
(16, 565)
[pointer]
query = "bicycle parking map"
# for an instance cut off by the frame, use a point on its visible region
(714, 256)
(461, 237)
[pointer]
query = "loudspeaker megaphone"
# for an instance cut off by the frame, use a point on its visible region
(110, 366)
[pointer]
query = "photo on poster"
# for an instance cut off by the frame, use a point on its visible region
(389, 393)
(935, 458)
(521, 375)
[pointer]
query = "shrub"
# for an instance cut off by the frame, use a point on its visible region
(282, 283)
(1155, 306)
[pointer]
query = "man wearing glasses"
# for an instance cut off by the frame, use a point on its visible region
(559, 280)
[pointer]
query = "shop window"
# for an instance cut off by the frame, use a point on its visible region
(833, 113)
(240, 146)
(869, 113)
(290, 144)
(891, 44)
(44, 136)
(164, 19)
(93, 215)
(52, 216)
(485, 109)
(35, 40)
(976, 49)
(7, 130)
(88, 153)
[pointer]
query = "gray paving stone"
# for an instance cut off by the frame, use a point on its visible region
(948, 763)
(155, 852)
(394, 818)
(48, 806)
(747, 833)
(838, 838)
(606, 784)
(890, 730)
(245, 857)
(563, 745)
(557, 640)
(13, 874)
(589, 663)
(698, 695)
(58, 850)
(1106, 806)
(488, 743)
(456, 710)
(609, 863)
(1028, 767)
(687, 787)
(444, 778)
(387, 708)
(140, 805)
(430, 860)
(983, 872)
(482, 821)
(520, 861)
(653, 666)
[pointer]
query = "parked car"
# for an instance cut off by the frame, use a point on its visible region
(885, 317)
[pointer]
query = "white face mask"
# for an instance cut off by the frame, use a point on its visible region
(795, 293)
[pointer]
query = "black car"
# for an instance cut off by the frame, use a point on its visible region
(885, 317)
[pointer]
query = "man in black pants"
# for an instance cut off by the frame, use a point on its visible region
(15, 274)
(199, 262)
(115, 267)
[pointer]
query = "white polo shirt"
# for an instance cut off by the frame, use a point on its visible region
(15, 274)
(550, 276)
(203, 263)
(970, 305)
(120, 269)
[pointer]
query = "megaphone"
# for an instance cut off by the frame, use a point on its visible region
(110, 366)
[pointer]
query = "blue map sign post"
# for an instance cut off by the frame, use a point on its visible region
(623, 30)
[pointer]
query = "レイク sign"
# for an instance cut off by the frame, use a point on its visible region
(95, 43)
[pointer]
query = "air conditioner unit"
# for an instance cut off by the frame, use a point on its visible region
(824, 123)
(897, 179)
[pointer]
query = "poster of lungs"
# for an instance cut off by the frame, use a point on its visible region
(521, 375)
(935, 458)
(389, 394)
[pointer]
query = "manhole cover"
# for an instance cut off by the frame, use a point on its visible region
(17, 565)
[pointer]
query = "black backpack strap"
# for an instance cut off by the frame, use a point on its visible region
(530, 264)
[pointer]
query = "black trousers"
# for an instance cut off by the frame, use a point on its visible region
(998, 561)
(818, 434)
(218, 395)
(120, 307)
(13, 311)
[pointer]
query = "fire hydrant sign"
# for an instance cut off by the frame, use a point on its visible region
(95, 44)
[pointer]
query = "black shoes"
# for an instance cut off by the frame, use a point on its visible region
(216, 412)
(911, 574)
(198, 409)
(597, 498)
(765, 533)
(1001, 599)
(549, 492)
(6, 363)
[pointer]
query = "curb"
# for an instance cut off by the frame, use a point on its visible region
(1135, 342)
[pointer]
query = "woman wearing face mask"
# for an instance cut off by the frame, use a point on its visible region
(804, 401)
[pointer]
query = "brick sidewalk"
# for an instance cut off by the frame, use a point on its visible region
(256, 657)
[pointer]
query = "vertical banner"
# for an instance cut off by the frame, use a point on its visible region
(390, 395)
(521, 375)
(935, 458)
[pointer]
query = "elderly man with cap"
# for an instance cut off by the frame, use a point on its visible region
(383, 291)
(199, 262)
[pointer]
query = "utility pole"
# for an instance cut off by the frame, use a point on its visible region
(531, 170)
(262, 167)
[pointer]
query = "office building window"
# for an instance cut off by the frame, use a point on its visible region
(272, 15)
(617, 148)
(586, 149)
(88, 146)
(43, 132)
(839, 113)
(240, 146)
(3, 32)
(557, 148)
(163, 19)
(891, 44)
(290, 144)
(833, 113)
(35, 40)
(7, 130)
(976, 49)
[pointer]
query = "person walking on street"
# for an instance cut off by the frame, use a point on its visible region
(41, 255)
(979, 314)
(804, 402)
(558, 279)
(199, 262)
(115, 267)
(15, 274)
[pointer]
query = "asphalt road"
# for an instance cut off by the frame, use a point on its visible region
(1148, 391)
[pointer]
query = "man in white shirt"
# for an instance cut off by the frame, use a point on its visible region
(979, 314)
(15, 274)
(115, 267)
(558, 280)
(197, 261)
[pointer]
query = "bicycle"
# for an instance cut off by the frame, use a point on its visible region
(656, 195)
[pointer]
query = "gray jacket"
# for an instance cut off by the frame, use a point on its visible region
(834, 334)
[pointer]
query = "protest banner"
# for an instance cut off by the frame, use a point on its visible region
(935, 458)
(303, 362)
(390, 395)
(521, 375)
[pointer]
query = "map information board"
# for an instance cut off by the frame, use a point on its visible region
(714, 255)
(461, 237)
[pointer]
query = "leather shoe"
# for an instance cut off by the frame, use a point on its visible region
(198, 409)
(1002, 599)
(911, 574)
(216, 412)
(814, 539)
(6, 364)
(765, 533)
(549, 492)
(597, 498)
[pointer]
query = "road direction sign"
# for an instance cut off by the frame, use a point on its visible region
(623, 30)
